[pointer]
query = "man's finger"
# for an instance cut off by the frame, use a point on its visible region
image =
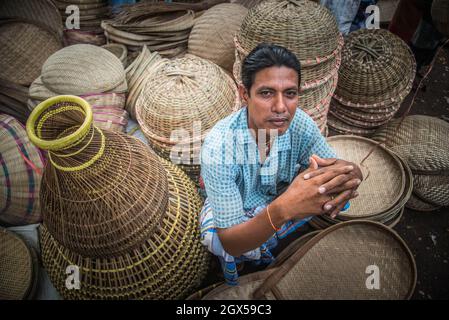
(323, 170)
(330, 173)
(336, 211)
(324, 162)
(341, 198)
(337, 185)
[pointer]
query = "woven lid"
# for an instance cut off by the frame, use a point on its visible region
(440, 16)
(415, 203)
(384, 177)
(81, 69)
(433, 189)
(212, 36)
(17, 276)
(377, 67)
(170, 264)
(23, 50)
(42, 13)
(20, 178)
(320, 269)
(421, 141)
(102, 192)
(306, 28)
(183, 91)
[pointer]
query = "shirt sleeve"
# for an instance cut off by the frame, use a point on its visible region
(313, 142)
(220, 181)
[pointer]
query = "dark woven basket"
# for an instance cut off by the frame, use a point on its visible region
(102, 192)
(440, 16)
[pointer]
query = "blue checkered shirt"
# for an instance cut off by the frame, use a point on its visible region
(234, 178)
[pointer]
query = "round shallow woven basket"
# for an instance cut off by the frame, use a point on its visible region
(102, 192)
(417, 204)
(212, 36)
(24, 48)
(421, 141)
(170, 264)
(433, 189)
(19, 267)
(332, 266)
(184, 99)
(72, 37)
(82, 69)
(20, 177)
(347, 129)
(440, 16)
(377, 68)
(307, 29)
(384, 176)
(42, 13)
(118, 50)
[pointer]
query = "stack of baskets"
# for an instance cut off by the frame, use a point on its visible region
(308, 30)
(137, 72)
(20, 177)
(213, 33)
(375, 76)
(91, 13)
(88, 71)
(179, 103)
(30, 31)
(440, 16)
(123, 216)
(19, 267)
(387, 184)
(162, 27)
(422, 142)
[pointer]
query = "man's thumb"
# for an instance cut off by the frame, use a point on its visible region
(313, 165)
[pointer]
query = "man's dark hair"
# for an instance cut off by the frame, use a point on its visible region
(266, 56)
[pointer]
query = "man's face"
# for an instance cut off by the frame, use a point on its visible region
(273, 99)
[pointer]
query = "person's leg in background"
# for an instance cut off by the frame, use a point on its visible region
(344, 11)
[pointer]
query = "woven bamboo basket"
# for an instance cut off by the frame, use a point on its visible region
(421, 141)
(304, 27)
(377, 68)
(72, 37)
(24, 47)
(20, 178)
(42, 13)
(19, 266)
(82, 69)
(170, 264)
(118, 50)
(143, 67)
(320, 270)
(212, 36)
(183, 93)
(13, 100)
(102, 193)
(440, 16)
(90, 14)
(346, 129)
(433, 189)
(417, 204)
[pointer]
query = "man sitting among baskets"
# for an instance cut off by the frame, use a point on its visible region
(267, 170)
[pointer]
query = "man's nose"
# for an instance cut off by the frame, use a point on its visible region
(279, 105)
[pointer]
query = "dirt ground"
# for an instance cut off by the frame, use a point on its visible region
(426, 233)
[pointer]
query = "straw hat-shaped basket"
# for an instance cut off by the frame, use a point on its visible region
(82, 69)
(422, 142)
(13, 100)
(319, 268)
(179, 103)
(386, 187)
(102, 193)
(170, 264)
(20, 177)
(440, 16)
(119, 51)
(19, 267)
(212, 36)
(145, 64)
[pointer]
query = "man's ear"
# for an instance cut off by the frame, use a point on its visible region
(243, 94)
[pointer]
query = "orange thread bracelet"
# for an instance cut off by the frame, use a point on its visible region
(271, 222)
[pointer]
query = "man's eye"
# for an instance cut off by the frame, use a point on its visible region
(265, 94)
(291, 94)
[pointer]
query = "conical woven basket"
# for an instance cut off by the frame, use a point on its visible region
(184, 99)
(20, 177)
(212, 36)
(421, 141)
(102, 193)
(323, 268)
(19, 267)
(440, 16)
(82, 69)
(377, 68)
(24, 48)
(170, 264)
